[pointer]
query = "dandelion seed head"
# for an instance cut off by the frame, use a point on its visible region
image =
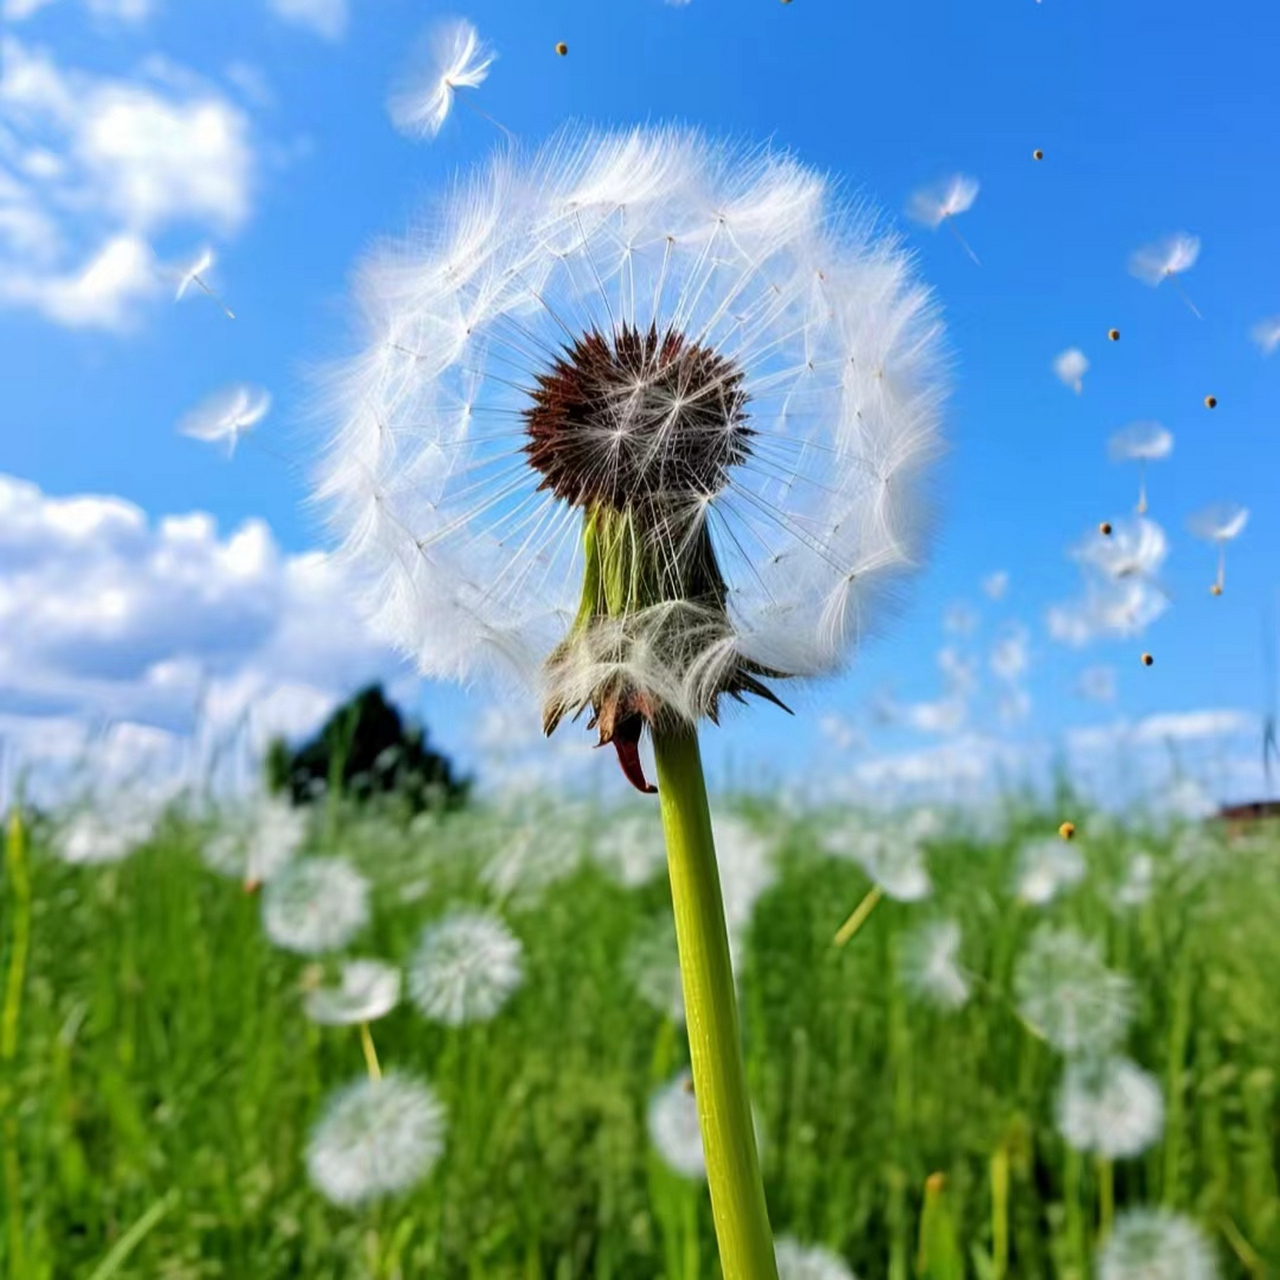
(366, 990)
(1156, 1244)
(1066, 993)
(798, 1261)
(1110, 1107)
(1047, 866)
(930, 964)
(452, 56)
(315, 905)
(1164, 258)
(465, 968)
(1070, 367)
(255, 842)
(375, 1138)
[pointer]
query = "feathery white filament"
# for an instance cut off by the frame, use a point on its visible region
(1111, 1108)
(465, 968)
(473, 571)
(366, 990)
(453, 57)
(1266, 334)
(1168, 257)
(315, 905)
(1071, 366)
(227, 414)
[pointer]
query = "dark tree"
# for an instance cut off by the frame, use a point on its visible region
(365, 749)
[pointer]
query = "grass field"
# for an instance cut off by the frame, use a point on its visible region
(160, 1077)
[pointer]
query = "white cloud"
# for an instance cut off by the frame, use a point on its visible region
(109, 618)
(995, 585)
(1010, 656)
(327, 18)
(114, 10)
(92, 168)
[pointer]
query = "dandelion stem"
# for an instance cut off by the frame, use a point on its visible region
(719, 1076)
(1000, 1211)
(370, 1053)
(859, 916)
(1106, 1197)
(19, 885)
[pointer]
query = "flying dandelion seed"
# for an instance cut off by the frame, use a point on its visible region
(1110, 1108)
(562, 48)
(1167, 259)
(1105, 528)
(1134, 550)
(226, 415)
(930, 964)
(1219, 524)
(465, 968)
(562, 382)
(1156, 1244)
(375, 1138)
(1266, 335)
(530, 858)
(1113, 335)
(748, 870)
(366, 990)
(109, 832)
(315, 905)
(798, 1261)
(256, 841)
(1211, 402)
(1045, 868)
(1067, 830)
(1037, 154)
(1067, 995)
(1147, 660)
(1143, 443)
(1071, 366)
(891, 859)
(451, 57)
(932, 206)
(195, 273)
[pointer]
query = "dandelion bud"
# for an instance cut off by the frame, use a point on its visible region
(562, 48)
(1067, 830)
(1147, 660)
(1211, 402)
(1113, 334)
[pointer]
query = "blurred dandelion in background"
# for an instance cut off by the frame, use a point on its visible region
(1047, 866)
(1219, 524)
(1067, 995)
(227, 415)
(1138, 884)
(1071, 366)
(652, 965)
(253, 841)
(465, 968)
(1143, 443)
(108, 832)
(1156, 1244)
(798, 1261)
(1167, 259)
(196, 272)
(375, 1138)
(314, 905)
(672, 1119)
(366, 990)
(929, 963)
(529, 856)
(1110, 1107)
(629, 849)
(451, 56)
(943, 202)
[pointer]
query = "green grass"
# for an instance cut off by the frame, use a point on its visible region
(163, 1079)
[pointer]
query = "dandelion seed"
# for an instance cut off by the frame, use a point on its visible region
(1071, 366)
(1211, 402)
(465, 968)
(1266, 334)
(375, 1138)
(532, 857)
(1110, 1108)
(315, 905)
(1045, 868)
(562, 48)
(195, 273)
(546, 470)
(1113, 334)
(227, 415)
(451, 57)
(1134, 550)
(1147, 660)
(932, 206)
(930, 965)
(1141, 442)
(255, 842)
(798, 1261)
(1037, 154)
(1166, 260)
(1067, 995)
(1105, 528)
(1156, 1244)
(367, 990)
(1219, 524)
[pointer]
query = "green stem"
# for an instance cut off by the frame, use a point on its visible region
(19, 885)
(719, 1076)
(1106, 1197)
(1000, 1212)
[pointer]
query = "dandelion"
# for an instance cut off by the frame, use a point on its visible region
(1045, 868)
(257, 841)
(1141, 442)
(930, 964)
(1067, 995)
(451, 57)
(1071, 366)
(1266, 335)
(375, 1138)
(107, 833)
(1156, 1244)
(529, 859)
(1219, 524)
(642, 427)
(196, 273)
(465, 968)
(1166, 260)
(798, 1261)
(366, 990)
(932, 206)
(315, 905)
(674, 1130)
(227, 415)
(1110, 1108)
(1148, 660)
(894, 861)
(652, 965)
(747, 870)
(1139, 881)
(629, 848)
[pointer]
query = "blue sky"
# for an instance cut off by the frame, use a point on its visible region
(1152, 120)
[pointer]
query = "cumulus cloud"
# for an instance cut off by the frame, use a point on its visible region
(94, 168)
(327, 18)
(110, 618)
